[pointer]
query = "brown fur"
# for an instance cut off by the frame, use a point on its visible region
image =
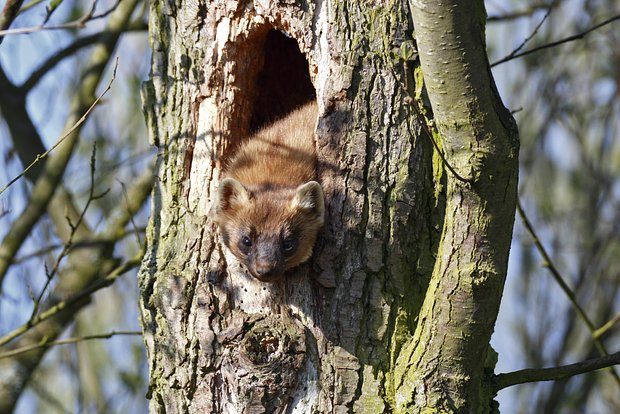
(269, 197)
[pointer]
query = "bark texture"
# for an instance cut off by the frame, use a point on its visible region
(329, 336)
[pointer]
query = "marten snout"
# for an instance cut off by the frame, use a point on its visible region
(265, 272)
(266, 261)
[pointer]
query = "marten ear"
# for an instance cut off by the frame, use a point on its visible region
(231, 194)
(309, 197)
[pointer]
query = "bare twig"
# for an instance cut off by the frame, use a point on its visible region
(430, 135)
(30, 5)
(67, 247)
(534, 32)
(68, 133)
(51, 7)
(82, 244)
(607, 326)
(548, 263)
(68, 51)
(549, 374)
(75, 299)
(518, 14)
(8, 14)
(107, 12)
(75, 24)
(135, 196)
(577, 36)
(45, 344)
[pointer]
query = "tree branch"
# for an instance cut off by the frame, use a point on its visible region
(50, 344)
(71, 302)
(74, 226)
(607, 326)
(60, 140)
(87, 267)
(548, 263)
(24, 134)
(88, 273)
(69, 50)
(559, 42)
(534, 32)
(9, 12)
(82, 244)
(75, 24)
(134, 198)
(549, 374)
(518, 14)
(43, 189)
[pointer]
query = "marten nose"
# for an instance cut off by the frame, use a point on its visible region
(264, 270)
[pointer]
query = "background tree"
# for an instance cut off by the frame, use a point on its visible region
(566, 98)
(69, 228)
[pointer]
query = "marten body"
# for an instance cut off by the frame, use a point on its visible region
(269, 209)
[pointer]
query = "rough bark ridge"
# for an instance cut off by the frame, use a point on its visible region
(328, 337)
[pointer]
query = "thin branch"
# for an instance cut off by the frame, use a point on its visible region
(44, 188)
(439, 151)
(135, 197)
(9, 12)
(607, 326)
(68, 133)
(79, 23)
(74, 227)
(519, 14)
(45, 344)
(549, 374)
(107, 12)
(82, 244)
(559, 42)
(30, 5)
(51, 7)
(534, 32)
(75, 299)
(548, 263)
(69, 50)
(406, 55)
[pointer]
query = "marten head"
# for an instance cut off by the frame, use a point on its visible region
(270, 230)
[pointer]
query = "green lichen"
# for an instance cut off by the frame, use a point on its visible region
(370, 401)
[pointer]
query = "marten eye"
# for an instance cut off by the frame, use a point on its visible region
(288, 245)
(246, 241)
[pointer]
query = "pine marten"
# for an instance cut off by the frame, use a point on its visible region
(269, 209)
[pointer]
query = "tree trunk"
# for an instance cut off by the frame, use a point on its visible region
(395, 310)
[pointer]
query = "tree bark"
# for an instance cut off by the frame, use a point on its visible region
(372, 322)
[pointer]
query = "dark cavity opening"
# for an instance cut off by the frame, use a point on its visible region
(283, 83)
